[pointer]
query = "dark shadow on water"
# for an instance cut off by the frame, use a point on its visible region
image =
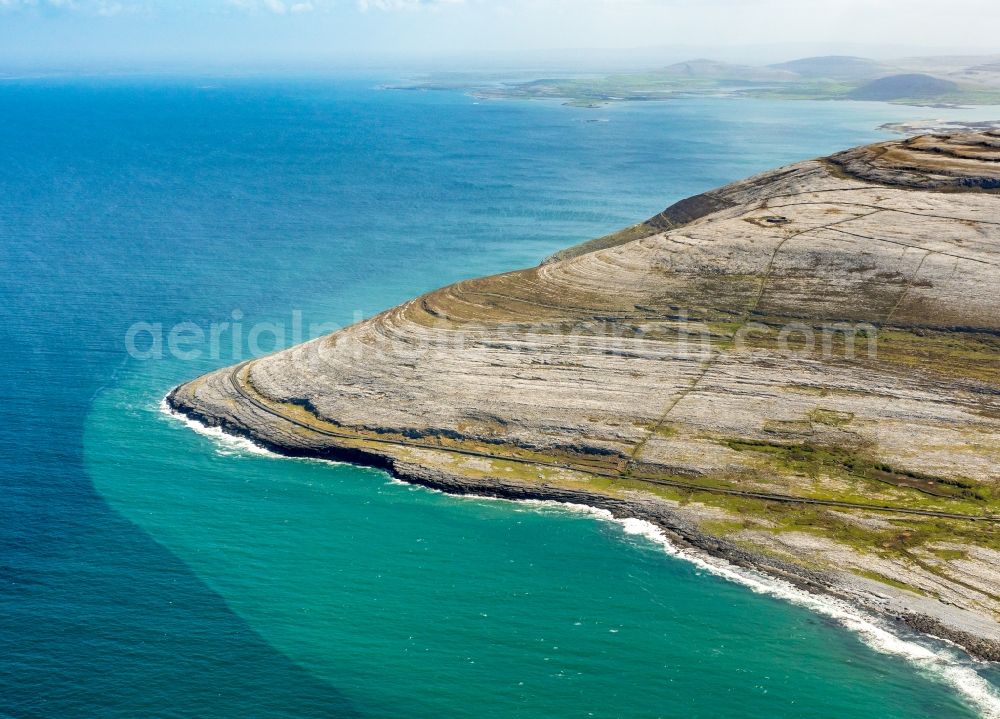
(98, 619)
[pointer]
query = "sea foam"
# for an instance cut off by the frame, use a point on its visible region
(937, 661)
(225, 444)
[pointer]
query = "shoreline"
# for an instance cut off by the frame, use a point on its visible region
(582, 370)
(882, 632)
(684, 539)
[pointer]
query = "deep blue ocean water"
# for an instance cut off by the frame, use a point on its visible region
(149, 571)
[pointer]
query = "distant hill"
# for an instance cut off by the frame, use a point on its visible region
(900, 87)
(987, 74)
(716, 70)
(944, 64)
(835, 67)
(965, 79)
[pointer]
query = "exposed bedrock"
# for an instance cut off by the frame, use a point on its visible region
(802, 368)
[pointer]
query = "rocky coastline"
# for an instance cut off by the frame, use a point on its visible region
(681, 533)
(653, 374)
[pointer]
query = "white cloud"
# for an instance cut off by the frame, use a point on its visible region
(504, 26)
(387, 5)
(277, 7)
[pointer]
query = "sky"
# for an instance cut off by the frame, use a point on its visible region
(455, 33)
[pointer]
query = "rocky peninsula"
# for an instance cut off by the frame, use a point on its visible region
(798, 372)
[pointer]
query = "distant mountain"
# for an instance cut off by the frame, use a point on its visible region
(716, 70)
(903, 87)
(835, 67)
(945, 64)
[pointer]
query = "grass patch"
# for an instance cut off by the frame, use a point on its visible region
(629, 234)
(868, 574)
(830, 417)
(664, 430)
(816, 460)
(722, 527)
(787, 426)
(948, 554)
(949, 354)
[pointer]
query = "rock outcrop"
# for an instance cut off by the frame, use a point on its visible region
(799, 371)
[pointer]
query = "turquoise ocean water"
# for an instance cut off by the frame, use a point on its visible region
(147, 570)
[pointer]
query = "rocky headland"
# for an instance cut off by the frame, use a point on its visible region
(798, 372)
